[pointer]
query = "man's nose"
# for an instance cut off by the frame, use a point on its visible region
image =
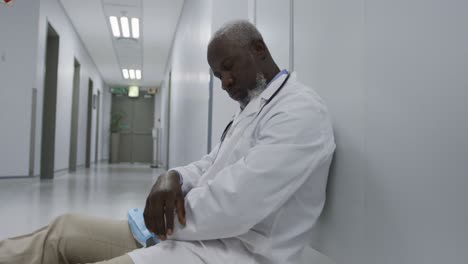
(226, 81)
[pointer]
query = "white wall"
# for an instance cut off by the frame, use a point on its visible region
(18, 34)
(394, 76)
(23, 29)
(417, 121)
(51, 11)
(190, 79)
(328, 57)
(273, 21)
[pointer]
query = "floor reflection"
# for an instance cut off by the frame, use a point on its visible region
(104, 190)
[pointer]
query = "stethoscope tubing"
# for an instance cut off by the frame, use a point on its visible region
(267, 102)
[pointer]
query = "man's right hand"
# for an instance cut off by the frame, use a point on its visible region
(165, 197)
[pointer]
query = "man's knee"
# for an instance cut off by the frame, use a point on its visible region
(61, 224)
(63, 219)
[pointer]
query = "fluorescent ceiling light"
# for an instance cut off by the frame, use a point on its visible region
(135, 28)
(133, 91)
(132, 74)
(125, 73)
(138, 74)
(115, 26)
(125, 27)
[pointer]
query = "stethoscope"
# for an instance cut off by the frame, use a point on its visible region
(267, 102)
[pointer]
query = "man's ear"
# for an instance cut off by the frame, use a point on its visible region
(259, 49)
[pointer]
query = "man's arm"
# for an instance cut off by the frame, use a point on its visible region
(191, 173)
(244, 193)
(167, 195)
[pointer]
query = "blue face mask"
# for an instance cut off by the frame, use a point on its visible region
(139, 230)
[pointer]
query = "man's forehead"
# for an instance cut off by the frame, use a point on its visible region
(222, 48)
(216, 52)
(218, 46)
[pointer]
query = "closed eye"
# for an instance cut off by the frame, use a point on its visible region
(227, 65)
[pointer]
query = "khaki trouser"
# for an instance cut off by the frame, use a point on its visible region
(72, 239)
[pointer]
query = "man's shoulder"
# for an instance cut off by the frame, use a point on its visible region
(297, 115)
(298, 96)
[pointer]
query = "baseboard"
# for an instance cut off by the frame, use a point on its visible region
(16, 177)
(60, 171)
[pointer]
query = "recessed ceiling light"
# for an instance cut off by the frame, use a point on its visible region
(125, 73)
(125, 27)
(138, 74)
(115, 26)
(135, 28)
(132, 74)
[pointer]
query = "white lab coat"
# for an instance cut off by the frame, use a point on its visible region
(256, 196)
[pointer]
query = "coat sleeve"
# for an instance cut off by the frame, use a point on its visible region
(192, 172)
(289, 148)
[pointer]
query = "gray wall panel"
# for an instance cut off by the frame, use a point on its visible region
(394, 76)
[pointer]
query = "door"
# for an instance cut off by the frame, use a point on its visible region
(136, 143)
(98, 105)
(143, 121)
(50, 105)
(89, 124)
(74, 117)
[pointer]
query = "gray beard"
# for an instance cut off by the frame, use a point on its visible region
(255, 92)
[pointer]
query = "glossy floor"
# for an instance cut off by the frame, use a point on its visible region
(104, 190)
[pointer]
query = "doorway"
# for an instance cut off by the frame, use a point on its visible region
(89, 124)
(97, 105)
(135, 127)
(168, 119)
(74, 117)
(50, 104)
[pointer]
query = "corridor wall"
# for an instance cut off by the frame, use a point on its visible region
(272, 18)
(189, 86)
(329, 45)
(71, 46)
(18, 38)
(393, 73)
(23, 33)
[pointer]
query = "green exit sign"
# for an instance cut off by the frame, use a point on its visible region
(119, 90)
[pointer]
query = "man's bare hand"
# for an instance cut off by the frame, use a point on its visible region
(165, 197)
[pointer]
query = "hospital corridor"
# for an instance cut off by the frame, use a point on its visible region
(234, 131)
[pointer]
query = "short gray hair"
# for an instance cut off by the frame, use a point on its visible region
(241, 32)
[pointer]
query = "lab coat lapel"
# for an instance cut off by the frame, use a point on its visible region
(272, 88)
(250, 109)
(240, 123)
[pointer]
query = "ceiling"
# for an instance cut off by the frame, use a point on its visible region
(158, 22)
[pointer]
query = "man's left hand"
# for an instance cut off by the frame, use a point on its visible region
(165, 197)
